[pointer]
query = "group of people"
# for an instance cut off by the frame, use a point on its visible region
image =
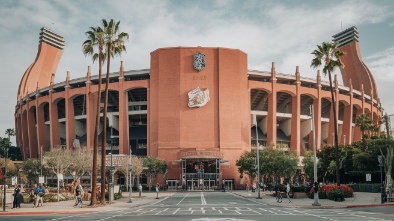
(39, 193)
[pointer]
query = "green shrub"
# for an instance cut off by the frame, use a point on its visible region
(336, 194)
(118, 195)
(298, 189)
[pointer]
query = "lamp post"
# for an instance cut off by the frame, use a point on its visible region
(316, 194)
(258, 159)
(380, 159)
(130, 187)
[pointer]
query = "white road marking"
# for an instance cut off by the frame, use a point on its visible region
(182, 199)
(176, 210)
(203, 202)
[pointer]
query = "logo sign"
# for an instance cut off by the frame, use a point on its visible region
(198, 97)
(14, 180)
(368, 177)
(199, 61)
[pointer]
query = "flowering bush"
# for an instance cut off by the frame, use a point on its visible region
(332, 192)
(336, 194)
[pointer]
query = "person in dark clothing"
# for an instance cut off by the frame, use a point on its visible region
(16, 203)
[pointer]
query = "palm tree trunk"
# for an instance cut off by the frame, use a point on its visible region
(104, 139)
(335, 131)
(93, 199)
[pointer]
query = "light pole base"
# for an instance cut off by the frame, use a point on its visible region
(316, 198)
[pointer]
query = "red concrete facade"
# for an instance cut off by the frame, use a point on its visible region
(150, 109)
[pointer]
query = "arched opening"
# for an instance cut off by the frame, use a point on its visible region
(138, 119)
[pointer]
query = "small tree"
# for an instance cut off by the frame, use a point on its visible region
(32, 168)
(277, 163)
(58, 160)
(81, 162)
(137, 163)
(308, 165)
(247, 165)
(155, 166)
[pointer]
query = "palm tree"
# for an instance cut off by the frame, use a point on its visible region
(115, 46)
(364, 123)
(329, 53)
(95, 40)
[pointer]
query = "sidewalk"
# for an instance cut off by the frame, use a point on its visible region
(360, 199)
(66, 207)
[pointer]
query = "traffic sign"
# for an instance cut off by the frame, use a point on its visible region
(130, 167)
(110, 167)
(14, 180)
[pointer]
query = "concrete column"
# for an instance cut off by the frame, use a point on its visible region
(295, 144)
(54, 123)
(17, 128)
(41, 132)
(25, 135)
(271, 121)
(347, 123)
(31, 124)
(124, 142)
(70, 125)
(123, 123)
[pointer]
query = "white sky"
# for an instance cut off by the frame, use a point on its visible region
(283, 31)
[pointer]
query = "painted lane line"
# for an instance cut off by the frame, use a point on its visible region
(182, 199)
(203, 202)
(176, 210)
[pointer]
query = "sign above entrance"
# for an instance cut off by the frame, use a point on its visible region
(194, 154)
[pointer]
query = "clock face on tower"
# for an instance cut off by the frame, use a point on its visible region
(199, 61)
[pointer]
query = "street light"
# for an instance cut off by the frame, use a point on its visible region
(380, 159)
(316, 194)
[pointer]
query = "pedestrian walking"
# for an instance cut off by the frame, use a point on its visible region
(34, 195)
(39, 192)
(16, 203)
(140, 190)
(288, 192)
(78, 193)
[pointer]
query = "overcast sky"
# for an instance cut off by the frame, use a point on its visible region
(285, 32)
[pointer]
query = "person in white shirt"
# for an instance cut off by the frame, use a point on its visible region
(288, 191)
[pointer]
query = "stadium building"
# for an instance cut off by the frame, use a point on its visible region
(196, 107)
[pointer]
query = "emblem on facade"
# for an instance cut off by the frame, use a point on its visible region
(199, 61)
(198, 98)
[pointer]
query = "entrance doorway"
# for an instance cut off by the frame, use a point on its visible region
(228, 184)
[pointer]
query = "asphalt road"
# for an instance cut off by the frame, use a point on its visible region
(217, 206)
